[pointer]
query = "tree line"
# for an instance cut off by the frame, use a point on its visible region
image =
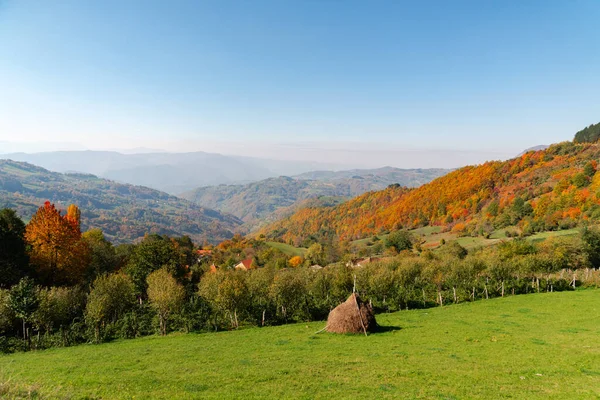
(590, 134)
(61, 287)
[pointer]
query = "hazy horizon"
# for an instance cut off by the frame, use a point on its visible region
(329, 156)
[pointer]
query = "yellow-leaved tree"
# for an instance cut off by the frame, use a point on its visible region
(166, 296)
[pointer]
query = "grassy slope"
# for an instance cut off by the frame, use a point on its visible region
(541, 236)
(288, 249)
(432, 237)
(534, 346)
(468, 242)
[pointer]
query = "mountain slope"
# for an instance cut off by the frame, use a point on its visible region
(380, 177)
(124, 212)
(266, 200)
(170, 172)
(544, 190)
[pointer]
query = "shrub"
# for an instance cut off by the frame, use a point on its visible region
(139, 321)
(227, 293)
(295, 261)
(23, 301)
(591, 246)
(58, 307)
(165, 295)
(454, 249)
(6, 314)
(194, 316)
(399, 240)
(289, 293)
(110, 298)
(580, 180)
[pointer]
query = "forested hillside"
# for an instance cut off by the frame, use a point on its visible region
(380, 176)
(124, 212)
(591, 134)
(169, 172)
(541, 190)
(266, 201)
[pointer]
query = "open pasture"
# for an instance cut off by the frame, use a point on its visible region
(530, 346)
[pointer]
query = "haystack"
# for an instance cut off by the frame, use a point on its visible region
(352, 316)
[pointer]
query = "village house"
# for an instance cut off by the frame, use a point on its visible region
(361, 262)
(203, 254)
(245, 265)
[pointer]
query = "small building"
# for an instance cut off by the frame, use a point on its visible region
(213, 268)
(245, 265)
(203, 254)
(361, 262)
(316, 267)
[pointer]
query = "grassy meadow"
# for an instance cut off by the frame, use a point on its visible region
(540, 346)
(288, 249)
(432, 237)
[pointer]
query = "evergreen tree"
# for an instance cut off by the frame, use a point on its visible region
(591, 246)
(14, 263)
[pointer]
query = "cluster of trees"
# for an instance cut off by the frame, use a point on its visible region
(229, 253)
(61, 287)
(408, 280)
(551, 189)
(591, 134)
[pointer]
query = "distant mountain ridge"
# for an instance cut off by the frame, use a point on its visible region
(405, 177)
(169, 172)
(534, 148)
(124, 212)
(265, 201)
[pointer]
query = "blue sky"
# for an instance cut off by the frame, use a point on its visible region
(300, 79)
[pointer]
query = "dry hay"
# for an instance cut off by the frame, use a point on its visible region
(352, 316)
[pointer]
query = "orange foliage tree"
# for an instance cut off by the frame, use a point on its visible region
(295, 261)
(57, 251)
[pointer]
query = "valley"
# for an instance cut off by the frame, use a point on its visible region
(266, 201)
(125, 213)
(168, 172)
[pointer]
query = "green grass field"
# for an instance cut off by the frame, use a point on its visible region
(427, 230)
(540, 346)
(468, 242)
(540, 237)
(432, 237)
(21, 172)
(288, 249)
(367, 241)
